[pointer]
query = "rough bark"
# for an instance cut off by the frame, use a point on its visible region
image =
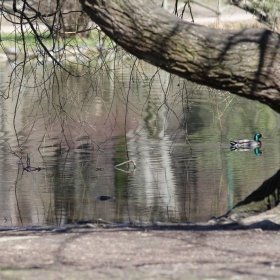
(245, 62)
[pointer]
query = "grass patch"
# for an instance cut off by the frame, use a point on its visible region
(94, 38)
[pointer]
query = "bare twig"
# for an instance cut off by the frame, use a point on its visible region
(128, 161)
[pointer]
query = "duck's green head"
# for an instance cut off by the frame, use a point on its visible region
(257, 136)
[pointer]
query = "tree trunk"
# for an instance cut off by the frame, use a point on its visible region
(244, 62)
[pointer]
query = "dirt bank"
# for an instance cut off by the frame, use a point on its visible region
(176, 252)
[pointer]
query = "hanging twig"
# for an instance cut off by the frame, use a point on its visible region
(176, 8)
(189, 5)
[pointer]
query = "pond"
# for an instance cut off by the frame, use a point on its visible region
(74, 131)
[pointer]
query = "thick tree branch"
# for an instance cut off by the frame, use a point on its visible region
(244, 62)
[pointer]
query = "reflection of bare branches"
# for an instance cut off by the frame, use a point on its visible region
(28, 166)
(16, 197)
(13, 152)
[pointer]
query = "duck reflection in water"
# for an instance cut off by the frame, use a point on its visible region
(243, 145)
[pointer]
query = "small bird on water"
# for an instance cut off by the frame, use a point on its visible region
(246, 144)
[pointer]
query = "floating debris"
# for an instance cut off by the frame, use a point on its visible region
(104, 197)
(128, 161)
(99, 169)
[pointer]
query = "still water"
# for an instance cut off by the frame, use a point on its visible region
(74, 131)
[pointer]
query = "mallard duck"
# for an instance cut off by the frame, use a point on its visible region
(246, 144)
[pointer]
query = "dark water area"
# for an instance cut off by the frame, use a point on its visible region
(76, 131)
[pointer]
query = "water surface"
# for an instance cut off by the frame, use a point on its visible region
(177, 133)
